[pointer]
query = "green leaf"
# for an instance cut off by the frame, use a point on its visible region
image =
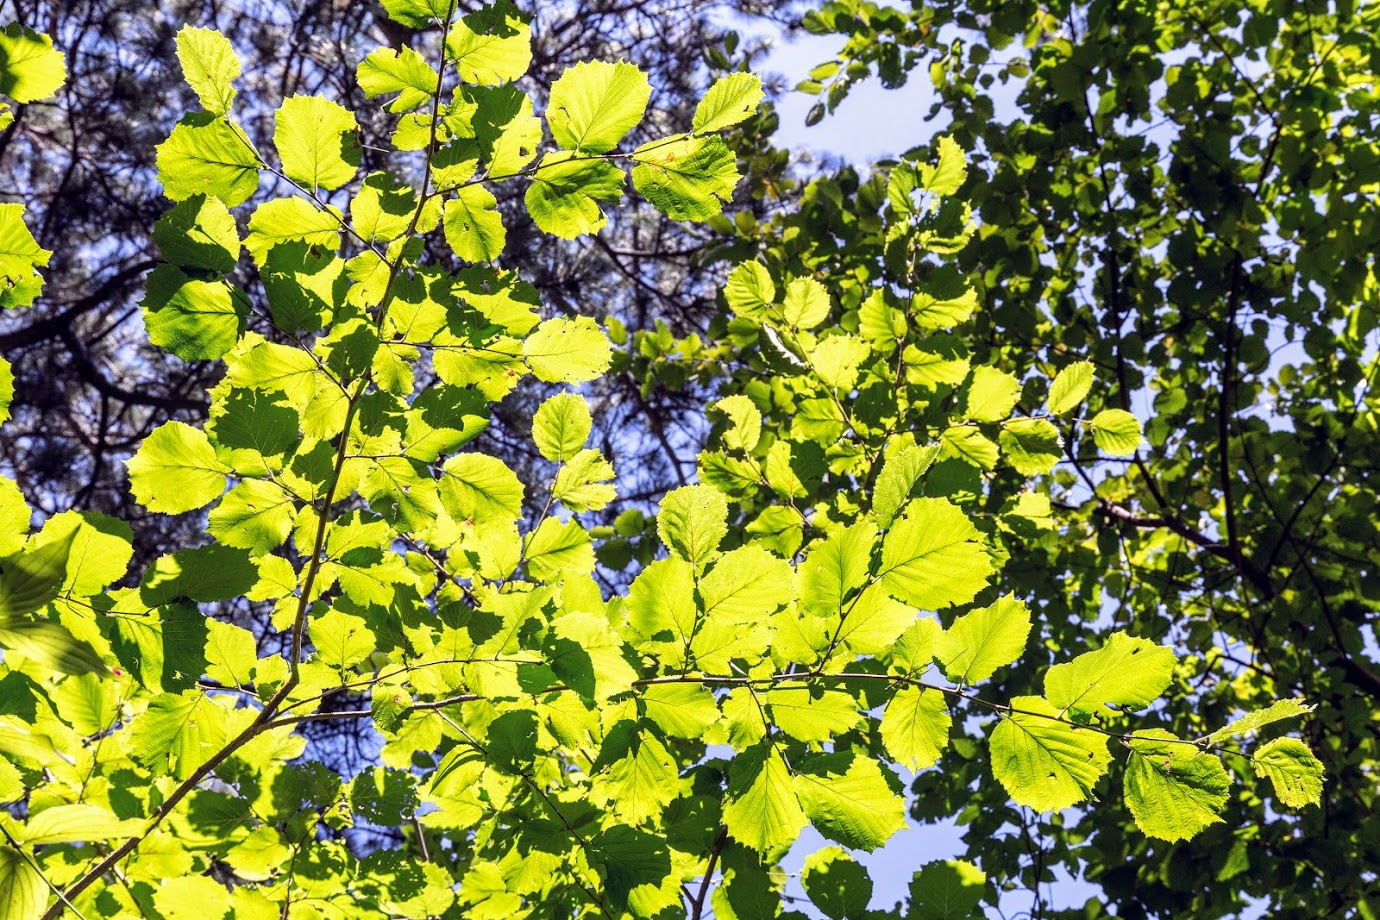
(637, 870)
(661, 601)
(191, 897)
(176, 470)
(1116, 432)
(931, 314)
(491, 46)
(762, 810)
(199, 233)
(1032, 445)
(691, 522)
(1173, 789)
(594, 104)
(208, 157)
(255, 515)
(849, 800)
(730, 99)
(967, 443)
(948, 173)
(635, 774)
(231, 654)
(749, 290)
(76, 823)
(588, 658)
(1292, 769)
(746, 428)
(287, 220)
(204, 574)
(564, 196)
(33, 577)
(942, 362)
(383, 796)
(401, 71)
(947, 890)
(687, 178)
(838, 359)
(50, 644)
(807, 303)
(1253, 721)
(164, 649)
(193, 319)
(1043, 763)
(568, 350)
(933, 557)
(342, 640)
(474, 228)
(812, 714)
(6, 398)
(23, 893)
(317, 140)
(1126, 673)
(835, 568)
(210, 66)
(178, 733)
(983, 640)
(561, 426)
(915, 727)
(680, 710)
(557, 550)
(1070, 387)
(992, 394)
(745, 584)
(20, 254)
(31, 69)
(583, 484)
(836, 884)
(15, 515)
(897, 482)
(482, 489)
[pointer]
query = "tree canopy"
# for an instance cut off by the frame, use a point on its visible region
(1020, 480)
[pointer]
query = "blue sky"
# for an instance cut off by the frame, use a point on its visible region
(870, 124)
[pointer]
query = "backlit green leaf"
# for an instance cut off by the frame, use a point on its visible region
(691, 522)
(1116, 432)
(1043, 763)
(561, 426)
(563, 350)
(933, 557)
(915, 727)
(208, 156)
(687, 178)
(730, 99)
(176, 470)
(31, 69)
(317, 141)
(1070, 387)
(564, 196)
(23, 893)
(1293, 770)
(762, 810)
(474, 228)
(1173, 789)
(193, 319)
(849, 800)
(594, 104)
(492, 45)
(210, 67)
(983, 640)
(1126, 673)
